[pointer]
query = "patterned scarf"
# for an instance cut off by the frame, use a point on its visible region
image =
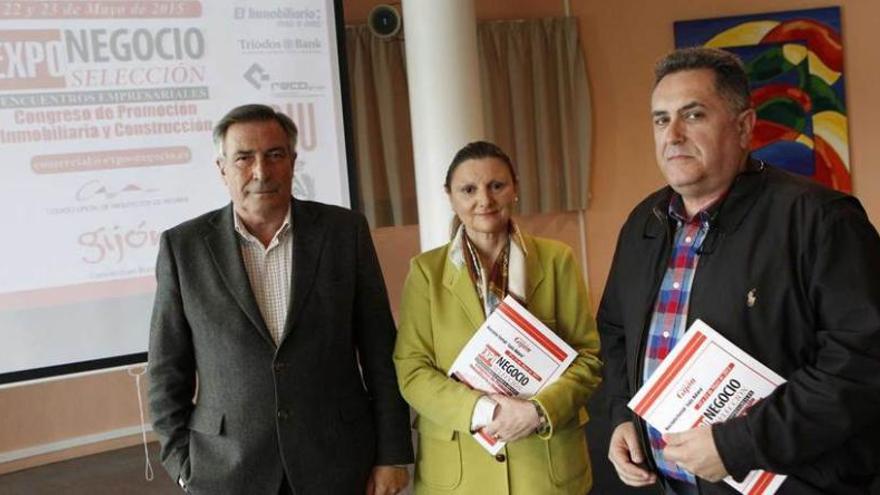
(506, 276)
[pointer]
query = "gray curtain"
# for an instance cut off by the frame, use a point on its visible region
(382, 136)
(536, 107)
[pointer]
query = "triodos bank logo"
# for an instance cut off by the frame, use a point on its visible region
(78, 58)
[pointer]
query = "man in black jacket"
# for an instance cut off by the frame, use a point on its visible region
(786, 269)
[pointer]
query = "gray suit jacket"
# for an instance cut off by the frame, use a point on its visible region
(323, 407)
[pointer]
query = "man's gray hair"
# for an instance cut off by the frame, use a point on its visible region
(731, 80)
(253, 113)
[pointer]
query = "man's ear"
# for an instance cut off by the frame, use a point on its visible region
(746, 123)
(219, 162)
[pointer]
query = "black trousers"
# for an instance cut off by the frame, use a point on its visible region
(676, 487)
(284, 489)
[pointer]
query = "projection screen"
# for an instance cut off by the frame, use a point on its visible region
(106, 110)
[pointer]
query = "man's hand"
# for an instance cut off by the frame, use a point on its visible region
(626, 454)
(514, 419)
(695, 451)
(387, 480)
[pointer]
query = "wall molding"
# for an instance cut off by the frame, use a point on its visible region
(69, 448)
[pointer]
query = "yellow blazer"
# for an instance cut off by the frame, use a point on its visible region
(439, 313)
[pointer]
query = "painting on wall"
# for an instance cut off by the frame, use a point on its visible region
(795, 64)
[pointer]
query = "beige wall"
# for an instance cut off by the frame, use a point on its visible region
(621, 40)
(62, 410)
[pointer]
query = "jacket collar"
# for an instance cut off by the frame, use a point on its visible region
(308, 238)
(730, 213)
(225, 252)
(457, 281)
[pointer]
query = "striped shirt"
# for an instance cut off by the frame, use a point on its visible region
(671, 310)
(270, 271)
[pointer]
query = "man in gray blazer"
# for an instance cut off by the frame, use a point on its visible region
(271, 338)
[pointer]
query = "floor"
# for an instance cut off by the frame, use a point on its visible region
(122, 472)
(109, 473)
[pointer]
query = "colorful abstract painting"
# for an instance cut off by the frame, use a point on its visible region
(795, 65)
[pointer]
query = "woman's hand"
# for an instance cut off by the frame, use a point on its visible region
(514, 419)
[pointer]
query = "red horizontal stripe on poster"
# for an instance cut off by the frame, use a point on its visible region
(532, 331)
(669, 374)
(763, 481)
(487, 437)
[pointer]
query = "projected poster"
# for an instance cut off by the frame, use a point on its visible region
(106, 111)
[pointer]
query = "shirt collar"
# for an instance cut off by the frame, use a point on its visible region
(245, 234)
(706, 216)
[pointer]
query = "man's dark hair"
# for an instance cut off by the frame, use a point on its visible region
(474, 151)
(731, 80)
(253, 113)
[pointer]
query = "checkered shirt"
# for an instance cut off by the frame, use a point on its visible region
(269, 270)
(671, 310)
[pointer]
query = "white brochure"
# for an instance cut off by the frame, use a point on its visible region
(707, 379)
(512, 353)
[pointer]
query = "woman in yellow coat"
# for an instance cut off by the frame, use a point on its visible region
(448, 294)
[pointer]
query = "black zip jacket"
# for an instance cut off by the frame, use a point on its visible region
(810, 259)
